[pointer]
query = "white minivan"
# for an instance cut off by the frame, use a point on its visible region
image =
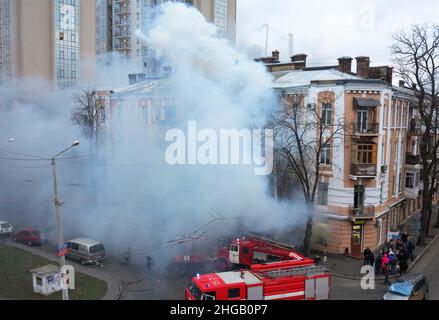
(6, 228)
(85, 251)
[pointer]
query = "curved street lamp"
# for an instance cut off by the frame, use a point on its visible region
(58, 204)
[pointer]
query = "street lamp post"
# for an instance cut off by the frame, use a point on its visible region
(58, 204)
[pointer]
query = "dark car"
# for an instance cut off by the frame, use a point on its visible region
(410, 287)
(31, 237)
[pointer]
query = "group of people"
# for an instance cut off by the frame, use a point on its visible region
(392, 258)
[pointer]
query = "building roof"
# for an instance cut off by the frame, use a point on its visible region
(147, 87)
(46, 270)
(301, 78)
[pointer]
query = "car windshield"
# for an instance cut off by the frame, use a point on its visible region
(401, 288)
(35, 233)
(195, 291)
(97, 248)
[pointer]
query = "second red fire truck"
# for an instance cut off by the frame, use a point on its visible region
(285, 280)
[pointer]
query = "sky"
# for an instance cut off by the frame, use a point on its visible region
(329, 29)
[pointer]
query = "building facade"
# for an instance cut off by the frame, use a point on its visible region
(118, 22)
(370, 183)
(47, 39)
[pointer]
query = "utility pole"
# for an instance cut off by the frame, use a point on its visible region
(58, 205)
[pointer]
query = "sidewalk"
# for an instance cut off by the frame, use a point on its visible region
(347, 267)
(113, 286)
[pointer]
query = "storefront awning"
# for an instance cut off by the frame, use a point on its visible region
(366, 103)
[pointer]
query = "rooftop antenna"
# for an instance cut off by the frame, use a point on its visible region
(291, 43)
(267, 27)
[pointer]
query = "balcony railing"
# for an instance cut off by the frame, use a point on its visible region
(412, 160)
(364, 170)
(366, 128)
(366, 211)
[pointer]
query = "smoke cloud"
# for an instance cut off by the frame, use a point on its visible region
(125, 194)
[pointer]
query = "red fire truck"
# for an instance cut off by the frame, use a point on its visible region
(285, 280)
(256, 249)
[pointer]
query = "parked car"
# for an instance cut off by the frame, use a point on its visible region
(85, 251)
(30, 236)
(6, 228)
(410, 287)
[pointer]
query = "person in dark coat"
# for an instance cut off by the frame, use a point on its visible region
(386, 272)
(411, 250)
(366, 254)
(403, 264)
(378, 262)
(371, 259)
(404, 237)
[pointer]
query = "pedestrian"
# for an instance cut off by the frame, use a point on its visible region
(366, 254)
(150, 268)
(386, 272)
(378, 263)
(393, 262)
(404, 237)
(372, 259)
(385, 261)
(403, 262)
(411, 250)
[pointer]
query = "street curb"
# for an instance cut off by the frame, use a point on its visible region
(423, 253)
(412, 265)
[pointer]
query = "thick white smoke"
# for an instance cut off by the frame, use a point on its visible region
(127, 195)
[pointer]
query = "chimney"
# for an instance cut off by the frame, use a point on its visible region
(402, 83)
(345, 64)
(363, 65)
(299, 61)
(276, 56)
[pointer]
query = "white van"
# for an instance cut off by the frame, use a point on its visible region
(6, 228)
(85, 251)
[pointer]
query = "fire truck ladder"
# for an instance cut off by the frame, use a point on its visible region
(308, 270)
(271, 241)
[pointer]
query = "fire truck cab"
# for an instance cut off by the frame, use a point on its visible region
(286, 280)
(252, 249)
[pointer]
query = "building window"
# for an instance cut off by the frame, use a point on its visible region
(73, 74)
(73, 56)
(327, 114)
(322, 194)
(410, 180)
(393, 185)
(366, 153)
(325, 156)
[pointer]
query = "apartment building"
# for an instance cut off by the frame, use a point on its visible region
(369, 183)
(119, 20)
(47, 39)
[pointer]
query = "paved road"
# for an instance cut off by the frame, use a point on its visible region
(429, 265)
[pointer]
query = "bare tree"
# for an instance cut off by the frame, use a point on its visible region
(301, 136)
(417, 63)
(89, 112)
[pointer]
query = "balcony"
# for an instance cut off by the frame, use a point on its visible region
(364, 170)
(412, 160)
(363, 212)
(366, 129)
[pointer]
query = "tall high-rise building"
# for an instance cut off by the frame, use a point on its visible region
(128, 16)
(47, 39)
